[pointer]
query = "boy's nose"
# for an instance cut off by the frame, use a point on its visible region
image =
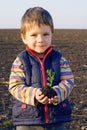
(40, 38)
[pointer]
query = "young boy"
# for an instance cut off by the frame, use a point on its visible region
(32, 109)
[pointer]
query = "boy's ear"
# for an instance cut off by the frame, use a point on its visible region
(23, 38)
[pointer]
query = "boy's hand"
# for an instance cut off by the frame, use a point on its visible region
(54, 100)
(40, 97)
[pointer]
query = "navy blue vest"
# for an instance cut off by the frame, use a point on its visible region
(35, 114)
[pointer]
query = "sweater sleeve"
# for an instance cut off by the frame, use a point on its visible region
(66, 84)
(17, 84)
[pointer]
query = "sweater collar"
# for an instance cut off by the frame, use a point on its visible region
(48, 50)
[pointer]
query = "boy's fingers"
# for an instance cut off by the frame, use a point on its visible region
(44, 100)
(41, 97)
(54, 100)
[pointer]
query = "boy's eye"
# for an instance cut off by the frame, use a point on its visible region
(33, 35)
(46, 34)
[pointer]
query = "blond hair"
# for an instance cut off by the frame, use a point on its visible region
(37, 16)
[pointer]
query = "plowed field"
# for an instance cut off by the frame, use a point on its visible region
(73, 45)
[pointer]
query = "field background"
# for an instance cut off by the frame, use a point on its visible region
(73, 45)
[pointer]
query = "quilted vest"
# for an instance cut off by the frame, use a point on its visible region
(34, 115)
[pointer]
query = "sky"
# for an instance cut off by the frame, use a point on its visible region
(66, 14)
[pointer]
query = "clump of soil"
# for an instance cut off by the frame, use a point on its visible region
(49, 92)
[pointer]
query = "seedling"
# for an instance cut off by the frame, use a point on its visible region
(50, 78)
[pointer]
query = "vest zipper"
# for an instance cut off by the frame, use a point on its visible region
(44, 85)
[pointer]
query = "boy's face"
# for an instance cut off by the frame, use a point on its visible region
(38, 38)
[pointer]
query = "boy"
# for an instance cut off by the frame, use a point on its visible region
(32, 109)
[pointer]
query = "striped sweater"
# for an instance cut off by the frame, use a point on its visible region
(26, 94)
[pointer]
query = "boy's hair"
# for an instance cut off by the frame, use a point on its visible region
(36, 16)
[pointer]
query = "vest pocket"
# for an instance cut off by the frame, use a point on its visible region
(62, 109)
(28, 112)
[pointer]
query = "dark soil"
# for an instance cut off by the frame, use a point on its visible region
(73, 45)
(49, 92)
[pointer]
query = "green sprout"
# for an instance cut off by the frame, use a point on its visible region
(50, 78)
(7, 123)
